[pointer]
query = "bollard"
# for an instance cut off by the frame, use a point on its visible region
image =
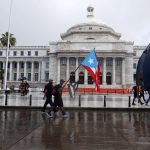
(129, 104)
(104, 100)
(6, 98)
(30, 103)
(79, 100)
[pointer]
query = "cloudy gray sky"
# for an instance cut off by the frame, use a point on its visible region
(37, 22)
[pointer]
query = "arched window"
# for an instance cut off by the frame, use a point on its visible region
(63, 61)
(81, 78)
(72, 77)
(101, 78)
(90, 80)
(108, 78)
(72, 61)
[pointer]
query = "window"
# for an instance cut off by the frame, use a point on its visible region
(72, 61)
(47, 65)
(90, 28)
(36, 53)
(36, 76)
(46, 76)
(22, 65)
(15, 76)
(28, 65)
(22, 75)
(81, 59)
(14, 53)
(90, 80)
(29, 53)
(22, 53)
(36, 65)
(134, 77)
(15, 65)
(134, 65)
(118, 62)
(81, 78)
(1, 53)
(108, 78)
(109, 62)
(8, 65)
(29, 76)
(63, 61)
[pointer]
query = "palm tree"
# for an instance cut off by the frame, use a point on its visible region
(4, 39)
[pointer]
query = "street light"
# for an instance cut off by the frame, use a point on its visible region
(7, 50)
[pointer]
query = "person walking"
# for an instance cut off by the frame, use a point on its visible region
(58, 101)
(141, 94)
(48, 94)
(136, 95)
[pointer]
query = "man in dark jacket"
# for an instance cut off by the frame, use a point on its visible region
(58, 101)
(48, 94)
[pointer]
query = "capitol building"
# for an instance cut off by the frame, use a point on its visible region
(118, 58)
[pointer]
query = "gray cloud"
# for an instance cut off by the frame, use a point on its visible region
(37, 22)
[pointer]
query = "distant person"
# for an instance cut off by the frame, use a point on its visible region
(58, 101)
(48, 89)
(136, 95)
(26, 84)
(22, 88)
(141, 93)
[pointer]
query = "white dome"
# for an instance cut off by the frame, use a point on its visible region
(90, 25)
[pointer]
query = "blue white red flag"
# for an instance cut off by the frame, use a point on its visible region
(91, 64)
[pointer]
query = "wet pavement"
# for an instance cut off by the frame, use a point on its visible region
(27, 129)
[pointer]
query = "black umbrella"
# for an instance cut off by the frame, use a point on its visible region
(143, 69)
(22, 78)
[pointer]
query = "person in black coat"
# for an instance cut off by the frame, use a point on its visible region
(48, 94)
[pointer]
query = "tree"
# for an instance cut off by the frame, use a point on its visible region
(4, 40)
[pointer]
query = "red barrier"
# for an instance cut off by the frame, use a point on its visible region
(102, 90)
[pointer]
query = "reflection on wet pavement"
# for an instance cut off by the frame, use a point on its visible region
(83, 130)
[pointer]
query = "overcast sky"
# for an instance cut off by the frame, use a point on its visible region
(38, 22)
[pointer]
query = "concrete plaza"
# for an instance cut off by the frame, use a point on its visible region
(90, 125)
(28, 129)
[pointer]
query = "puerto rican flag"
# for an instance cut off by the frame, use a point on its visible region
(91, 64)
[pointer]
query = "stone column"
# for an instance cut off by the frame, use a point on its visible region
(104, 71)
(58, 70)
(114, 72)
(39, 72)
(18, 70)
(67, 71)
(85, 77)
(25, 69)
(123, 71)
(32, 71)
(10, 72)
(77, 71)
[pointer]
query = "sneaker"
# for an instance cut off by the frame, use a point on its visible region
(133, 104)
(65, 115)
(49, 115)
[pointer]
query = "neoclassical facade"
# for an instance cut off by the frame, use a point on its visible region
(117, 58)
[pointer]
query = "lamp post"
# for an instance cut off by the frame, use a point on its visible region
(7, 50)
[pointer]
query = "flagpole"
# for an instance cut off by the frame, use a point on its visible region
(7, 50)
(69, 78)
